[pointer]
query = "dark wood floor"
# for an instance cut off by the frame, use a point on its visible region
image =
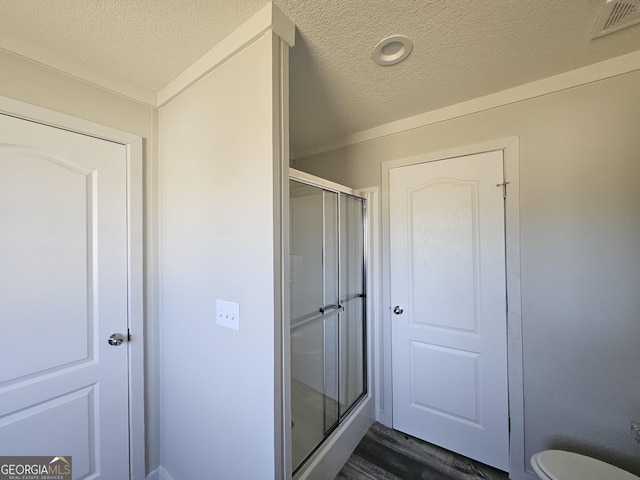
(386, 454)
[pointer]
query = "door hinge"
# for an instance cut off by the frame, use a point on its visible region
(509, 424)
(504, 188)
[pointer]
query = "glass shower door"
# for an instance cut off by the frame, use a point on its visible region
(328, 368)
(352, 299)
(314, 317)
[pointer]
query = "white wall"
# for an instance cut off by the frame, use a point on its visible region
(580, 252)
(38, 85)
(220, 200)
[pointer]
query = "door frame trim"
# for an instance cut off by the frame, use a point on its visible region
(511, 151)
(135, 287)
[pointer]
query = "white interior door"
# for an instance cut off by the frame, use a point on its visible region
(449, 344)
(63, 292)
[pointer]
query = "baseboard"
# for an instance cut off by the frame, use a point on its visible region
(329, 459)
(159, 474)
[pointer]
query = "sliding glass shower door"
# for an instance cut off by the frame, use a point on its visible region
(351, 326)
(327, 312)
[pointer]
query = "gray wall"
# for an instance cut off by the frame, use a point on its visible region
(580, 253)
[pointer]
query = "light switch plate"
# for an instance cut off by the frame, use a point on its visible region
(228, 314)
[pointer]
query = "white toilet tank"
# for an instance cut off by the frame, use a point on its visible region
(561, 465)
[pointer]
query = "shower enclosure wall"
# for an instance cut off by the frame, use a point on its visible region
(328, 371)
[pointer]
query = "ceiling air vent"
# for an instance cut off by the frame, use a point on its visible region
(616, 15)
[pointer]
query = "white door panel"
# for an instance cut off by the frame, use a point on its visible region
(63, 292)
(448, 273)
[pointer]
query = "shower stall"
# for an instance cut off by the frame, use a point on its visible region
(327, 328)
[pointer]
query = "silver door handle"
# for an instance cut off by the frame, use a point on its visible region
(329, 308)
(116, 339)
(398, 310)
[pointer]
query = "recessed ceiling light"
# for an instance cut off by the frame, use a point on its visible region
(392, 50)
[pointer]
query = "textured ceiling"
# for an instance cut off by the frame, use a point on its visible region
(462, 49)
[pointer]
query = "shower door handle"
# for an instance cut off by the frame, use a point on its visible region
(329, 308)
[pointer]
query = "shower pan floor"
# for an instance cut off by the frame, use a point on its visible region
(312, 413)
